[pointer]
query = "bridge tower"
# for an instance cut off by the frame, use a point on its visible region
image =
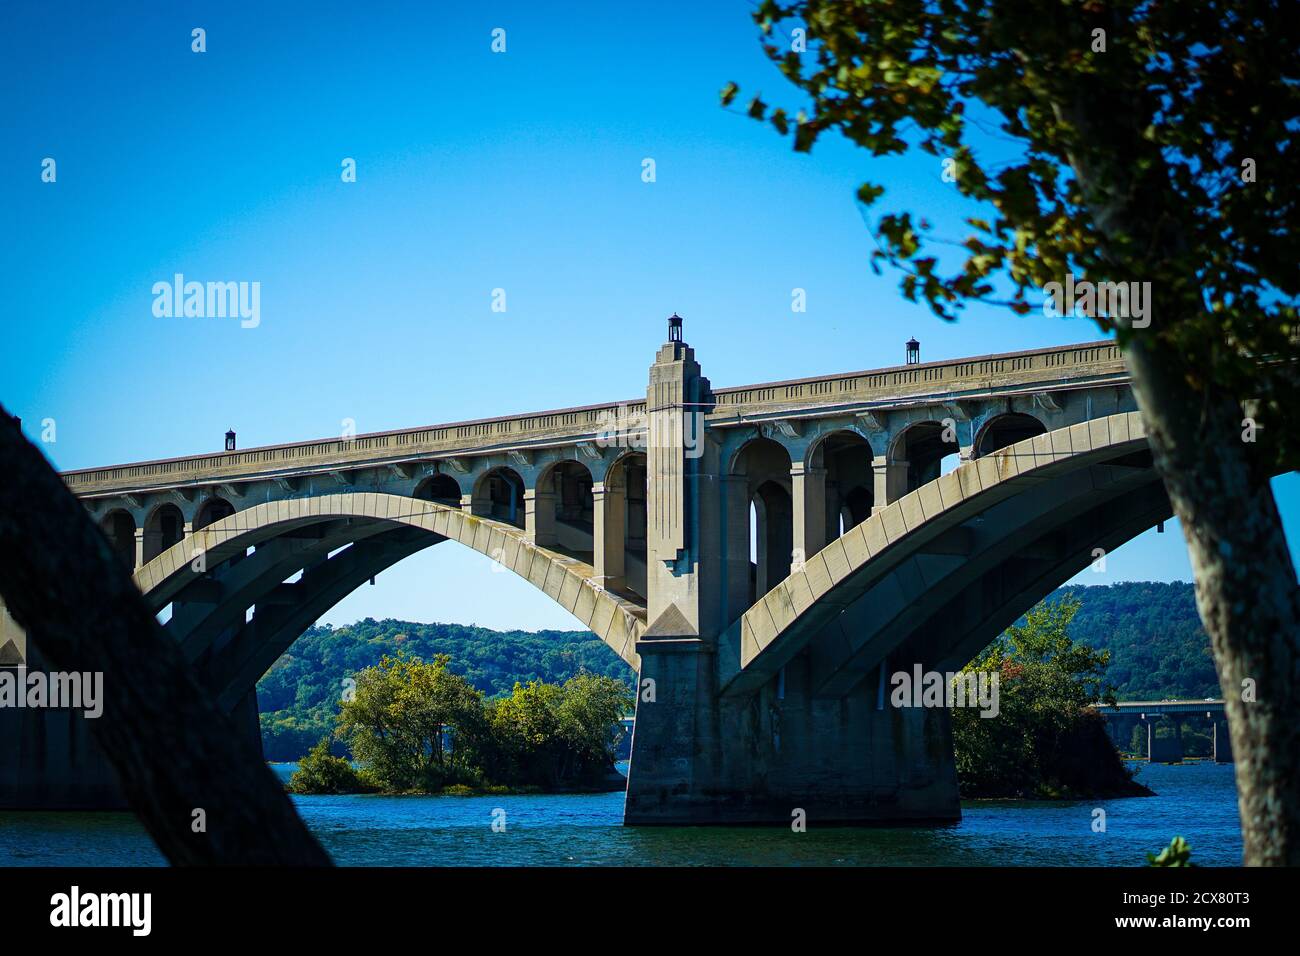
(680, 465)
(699, 757)
(675, 739)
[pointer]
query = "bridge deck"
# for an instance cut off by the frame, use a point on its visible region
(1010, 373)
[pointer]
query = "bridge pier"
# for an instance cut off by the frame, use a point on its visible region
(1222, 742)
(674, 774)
(781, 754)
(1164, 749)
(48, 759)
(778, 753)
(1124, 727)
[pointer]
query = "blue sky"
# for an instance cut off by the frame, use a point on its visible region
(475, 171)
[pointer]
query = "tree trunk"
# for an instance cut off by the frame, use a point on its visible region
(1218, 484)
(1245, 588)
(174, 751)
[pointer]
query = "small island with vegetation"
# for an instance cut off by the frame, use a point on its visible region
(1047, 742)
(415, 727)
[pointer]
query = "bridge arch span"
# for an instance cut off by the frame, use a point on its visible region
(985, 541)
(371, 531)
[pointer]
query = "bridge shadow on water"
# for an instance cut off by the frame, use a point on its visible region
(1197, 801)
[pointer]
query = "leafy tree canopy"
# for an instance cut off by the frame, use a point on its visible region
(1148, 141)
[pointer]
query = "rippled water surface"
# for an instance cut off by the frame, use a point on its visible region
(1197, 801)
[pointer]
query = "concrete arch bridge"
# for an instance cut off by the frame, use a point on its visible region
(764, 556)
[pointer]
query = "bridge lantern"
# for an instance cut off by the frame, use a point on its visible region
(674, 328)
(913, 352)
(230, 441)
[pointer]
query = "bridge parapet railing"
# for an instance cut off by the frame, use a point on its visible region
(907, 381)
(1049, 367)
(433, 441)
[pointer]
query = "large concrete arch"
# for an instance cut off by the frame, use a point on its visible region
(569, 582)
(861, 596)
(988, 589)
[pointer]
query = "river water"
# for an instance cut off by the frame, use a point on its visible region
(1196, 801)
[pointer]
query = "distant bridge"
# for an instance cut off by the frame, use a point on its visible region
(1122, 717)
(1207, 707)
(761, 672)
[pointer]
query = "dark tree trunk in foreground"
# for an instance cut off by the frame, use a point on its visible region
(1218, 483)
(1245, 591)
(174, 752)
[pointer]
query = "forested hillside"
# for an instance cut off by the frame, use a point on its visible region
(1158, 649)
(1157, 646)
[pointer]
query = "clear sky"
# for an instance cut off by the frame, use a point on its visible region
(475, 171)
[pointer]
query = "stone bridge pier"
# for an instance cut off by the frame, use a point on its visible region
(731, 513)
